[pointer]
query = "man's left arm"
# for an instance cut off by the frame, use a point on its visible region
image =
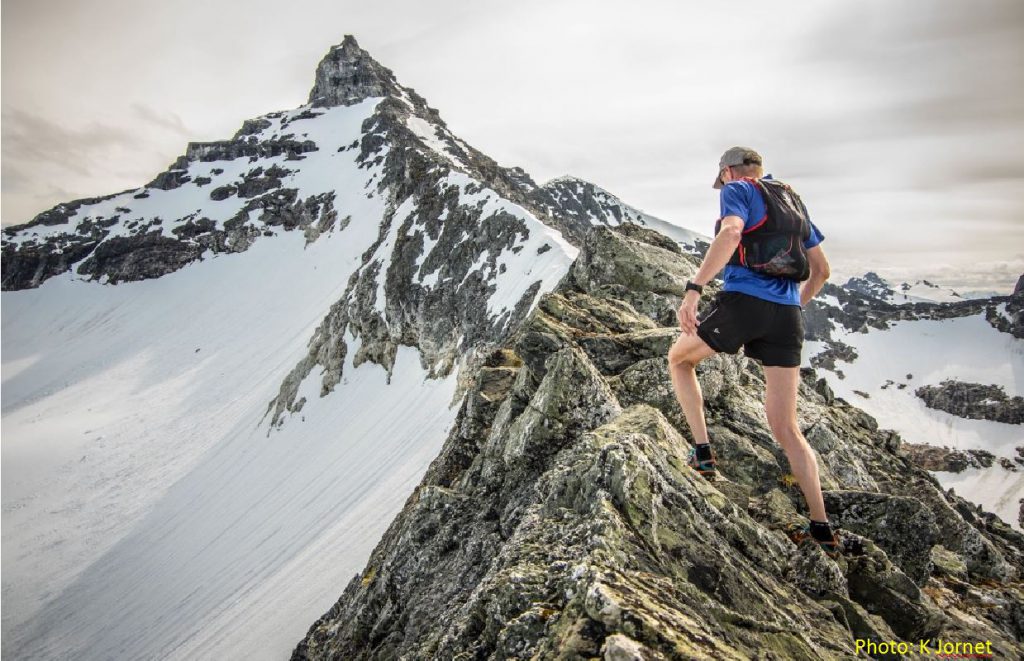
(819, 274)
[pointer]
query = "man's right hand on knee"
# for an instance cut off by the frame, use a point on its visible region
(687, 313)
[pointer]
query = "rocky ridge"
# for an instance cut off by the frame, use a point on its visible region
(560, 520)
(973, 400)
(587, 202)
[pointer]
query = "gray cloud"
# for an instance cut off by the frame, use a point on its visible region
(166, 120)
(46, 162)
(31, 138)
(948, 76)
(14, 179)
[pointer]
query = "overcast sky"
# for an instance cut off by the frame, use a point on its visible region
(900, 123)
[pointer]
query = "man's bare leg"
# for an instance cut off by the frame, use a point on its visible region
(683, 357)
(780, 405)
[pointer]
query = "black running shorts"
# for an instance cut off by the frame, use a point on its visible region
(771, 333)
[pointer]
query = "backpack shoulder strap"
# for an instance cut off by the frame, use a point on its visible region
(760, 189)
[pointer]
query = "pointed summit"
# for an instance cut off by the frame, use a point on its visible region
(347, 75)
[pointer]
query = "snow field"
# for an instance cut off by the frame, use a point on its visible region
(930, 351)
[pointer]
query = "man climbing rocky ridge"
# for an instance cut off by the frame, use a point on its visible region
(560, 519)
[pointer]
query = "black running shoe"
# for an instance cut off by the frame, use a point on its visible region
(707, 468)
(801, 534)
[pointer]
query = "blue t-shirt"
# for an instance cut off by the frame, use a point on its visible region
(741, 198)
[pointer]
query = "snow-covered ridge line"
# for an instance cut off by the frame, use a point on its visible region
(589, 203)
(223, 199)
(918, 291)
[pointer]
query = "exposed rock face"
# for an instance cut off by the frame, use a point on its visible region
(973, 400)
(1009, 315)
(587, 203)
(835, 351)
(560, 519)
(144, 250)
(28, 265)
(349, 75)
(870, 285)
(904, 527)
(935, 458)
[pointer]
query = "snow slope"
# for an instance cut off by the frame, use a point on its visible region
(924, 291)
(141, 490)
(930, 351)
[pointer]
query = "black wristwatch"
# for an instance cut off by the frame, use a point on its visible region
(693, 286)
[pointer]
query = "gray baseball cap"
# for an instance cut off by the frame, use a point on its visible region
(735, 156)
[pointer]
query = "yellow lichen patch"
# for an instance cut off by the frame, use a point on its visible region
(369, 576)
(788, 480)
(941, 596)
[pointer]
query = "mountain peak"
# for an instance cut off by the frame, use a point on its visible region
(348, 75)
(565, 178)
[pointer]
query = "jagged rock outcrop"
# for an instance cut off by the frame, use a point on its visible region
(870, 284)
(560, 519)
(936, 458)
(1009, 315)
(834, 351)
(973, 400)
(347, 75)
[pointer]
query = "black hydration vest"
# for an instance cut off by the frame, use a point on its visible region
(775, 245)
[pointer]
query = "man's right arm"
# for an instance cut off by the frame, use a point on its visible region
(718, 255)
(721, 249)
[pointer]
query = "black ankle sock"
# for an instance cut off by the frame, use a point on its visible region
(821, 531)
(703, 451)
